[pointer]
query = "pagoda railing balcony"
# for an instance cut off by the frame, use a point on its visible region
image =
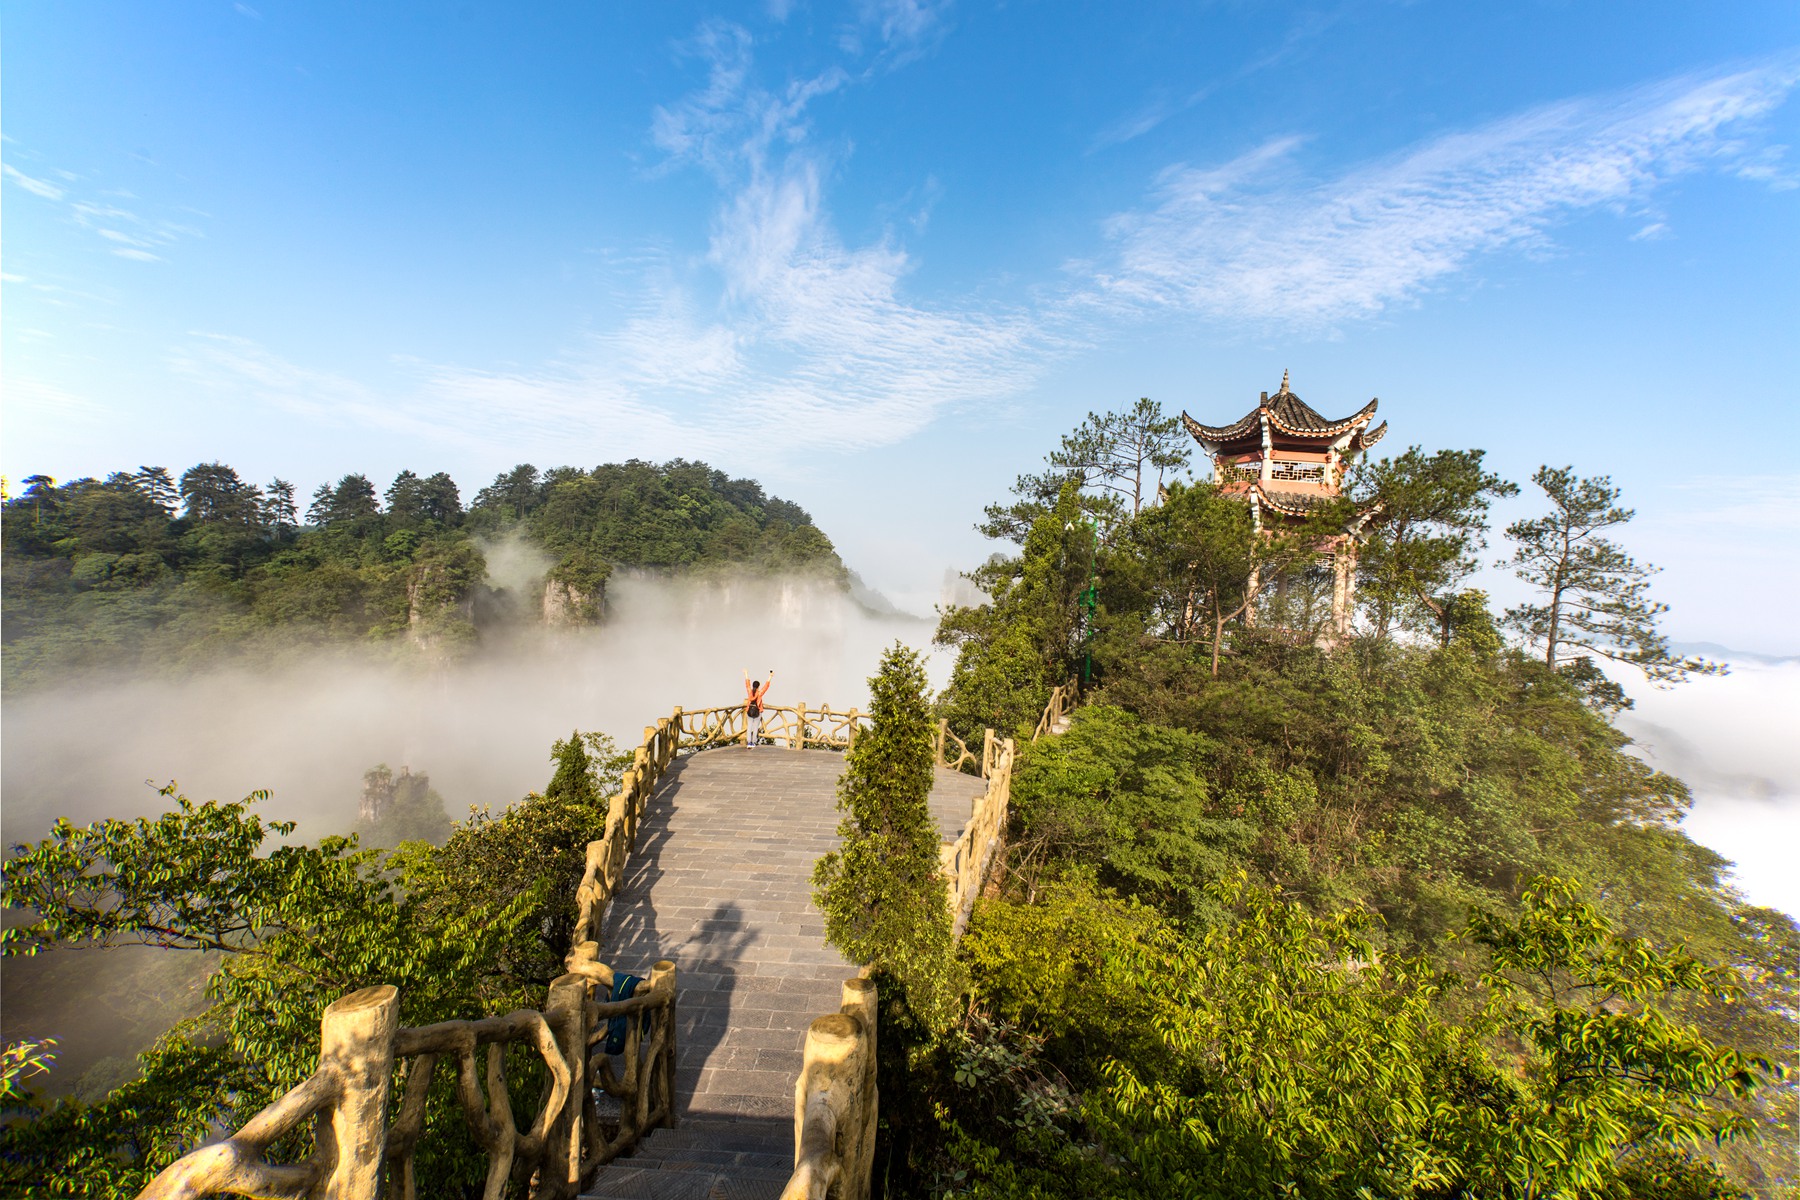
(1297, 472)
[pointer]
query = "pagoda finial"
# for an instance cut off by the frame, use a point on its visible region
(1284, 381)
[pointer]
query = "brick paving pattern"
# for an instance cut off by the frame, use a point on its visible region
(722, 884)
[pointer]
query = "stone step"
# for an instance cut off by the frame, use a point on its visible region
(701, 1159)
(619, 1182)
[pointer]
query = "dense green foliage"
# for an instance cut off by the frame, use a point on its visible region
(475, 928)
(880, 890)
(1287, 914)
(140, 568)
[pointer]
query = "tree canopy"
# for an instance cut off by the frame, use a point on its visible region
(139, 568)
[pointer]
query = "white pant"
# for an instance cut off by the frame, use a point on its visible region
(752, 730)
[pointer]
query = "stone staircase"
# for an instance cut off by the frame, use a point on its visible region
(703, 1158)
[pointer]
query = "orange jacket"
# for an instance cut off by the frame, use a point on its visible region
(754, 693)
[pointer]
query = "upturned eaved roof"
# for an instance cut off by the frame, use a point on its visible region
(1292, 502)
(1291, 415)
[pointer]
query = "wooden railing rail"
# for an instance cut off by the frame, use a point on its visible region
(835, 1102)
(967, 861)
(1063, 699)
(362, 1045)
(795, 726)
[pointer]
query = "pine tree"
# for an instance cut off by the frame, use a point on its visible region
(1428, 522)
(881, 892)
(1595, 597)
(575, 780)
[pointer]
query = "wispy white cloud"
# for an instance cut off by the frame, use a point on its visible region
(782, 341)
(1759, 503)
(128, 234)
(1251, 240)
(895, 31)
(578, 401)
(29, 399)
(903, 21)
(1306, 28)
(32, 184)
(825, 348)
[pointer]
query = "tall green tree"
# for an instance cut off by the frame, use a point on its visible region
(1594, 598)
(159, 487)
(881, 891)
(213, 493)
(1213, 564)
(280, 513)
(1428, 522)
(1014, 649)
(414, 501)
(515, 492)
(351, 498)
(1117, 460)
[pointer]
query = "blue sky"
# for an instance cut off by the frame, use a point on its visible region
(880, 255)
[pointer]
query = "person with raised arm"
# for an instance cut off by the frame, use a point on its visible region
(753, 706)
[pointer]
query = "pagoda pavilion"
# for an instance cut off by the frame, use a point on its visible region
(1286, 460)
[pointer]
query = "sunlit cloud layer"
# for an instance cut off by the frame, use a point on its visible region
(784, 339)
(1252, 242)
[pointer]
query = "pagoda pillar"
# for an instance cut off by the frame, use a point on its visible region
(1343, 587)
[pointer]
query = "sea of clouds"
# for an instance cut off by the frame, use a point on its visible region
(481, 726)
(1735, 741)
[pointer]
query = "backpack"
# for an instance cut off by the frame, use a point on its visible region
(754, 708)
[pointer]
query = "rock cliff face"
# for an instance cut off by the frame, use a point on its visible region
(440, 604)
(564, 603)
(573, 596)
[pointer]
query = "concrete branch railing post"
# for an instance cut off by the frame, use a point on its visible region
(836, 1102)
(363, 1048)
(347, 1096)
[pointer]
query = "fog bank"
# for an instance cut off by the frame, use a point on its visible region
(1734, 741)
(482, 727)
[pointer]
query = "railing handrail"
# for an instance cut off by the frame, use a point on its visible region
(836, 1102)
(1063, 699)
(361, 1041)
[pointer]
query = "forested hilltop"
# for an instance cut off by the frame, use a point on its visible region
(142, 567)
(1294, 909)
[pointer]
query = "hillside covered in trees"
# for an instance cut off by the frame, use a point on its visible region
(1286, 911)
(142, 567)
(1292, 912)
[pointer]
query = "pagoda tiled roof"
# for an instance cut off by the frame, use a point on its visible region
(1291, 415)
(1294, 503)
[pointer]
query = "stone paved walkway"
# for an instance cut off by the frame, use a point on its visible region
(722, 884)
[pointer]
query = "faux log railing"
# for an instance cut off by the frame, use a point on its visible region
(362, 1045)
(1062, 703)
(835, 1101)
